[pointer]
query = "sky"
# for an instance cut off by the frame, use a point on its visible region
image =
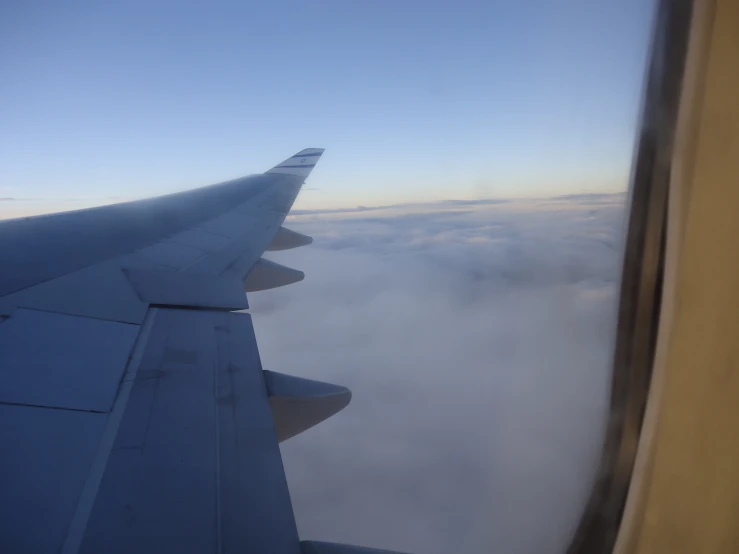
(106, 101)
(476, 338)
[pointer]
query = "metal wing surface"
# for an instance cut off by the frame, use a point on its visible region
(135, 415)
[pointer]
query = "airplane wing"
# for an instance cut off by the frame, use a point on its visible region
(135, 415)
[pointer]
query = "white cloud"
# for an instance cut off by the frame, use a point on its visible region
(476, 338)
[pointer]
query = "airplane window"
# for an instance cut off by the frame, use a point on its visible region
(468, 217)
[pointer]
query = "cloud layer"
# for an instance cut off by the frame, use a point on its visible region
(476, 338)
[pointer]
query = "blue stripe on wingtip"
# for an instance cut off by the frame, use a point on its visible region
(307, 155)
(304, 165)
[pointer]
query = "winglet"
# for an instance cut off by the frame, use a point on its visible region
(300, 164)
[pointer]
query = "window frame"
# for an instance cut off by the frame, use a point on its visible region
(642, 278)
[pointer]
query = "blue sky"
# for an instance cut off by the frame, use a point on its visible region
(412, 100)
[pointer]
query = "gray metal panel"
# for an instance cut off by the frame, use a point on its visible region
(184, 289)
(132, 261)
(255, 501)
(43, 247)
(172, 254)
(240, 255)
(280, 199)
(62, 361)
(253, 233)
(218, 262)
(99, 291)
(202, 239)
(196, 466)
(46, 456)
(232, 225)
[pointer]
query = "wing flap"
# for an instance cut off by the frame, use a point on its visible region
(100, 291)
(63, 361)
(197, 433)
(47, 456)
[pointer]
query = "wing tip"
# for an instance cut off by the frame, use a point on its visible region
(299, 164)
(310, 151)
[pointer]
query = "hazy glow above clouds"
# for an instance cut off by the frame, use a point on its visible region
(476, 338)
